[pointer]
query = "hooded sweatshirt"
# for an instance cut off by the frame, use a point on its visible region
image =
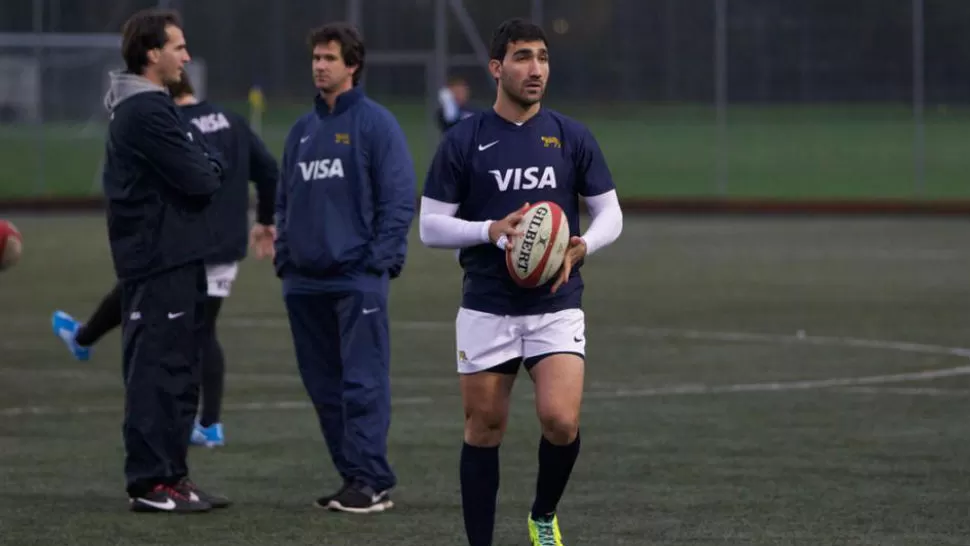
(158, 178)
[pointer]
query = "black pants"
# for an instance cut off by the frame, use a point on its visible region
(107, 316)
(213, 365)
(161, 320)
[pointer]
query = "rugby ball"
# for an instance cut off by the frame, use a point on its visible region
(11, 245)
(537, 253)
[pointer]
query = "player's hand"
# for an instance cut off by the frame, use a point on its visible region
(261, 239)
(575, 253)
(506, 227)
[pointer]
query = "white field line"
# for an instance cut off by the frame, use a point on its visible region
(249, 406)
(858, 385)
(639, 331)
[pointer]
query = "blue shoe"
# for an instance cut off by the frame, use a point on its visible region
(65, 327)
(210, 436)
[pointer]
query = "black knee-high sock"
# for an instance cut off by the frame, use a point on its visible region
(213, 366)
(106, 317)
(555, 466)
(479, 489)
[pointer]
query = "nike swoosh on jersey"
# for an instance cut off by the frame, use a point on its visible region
(482, 148)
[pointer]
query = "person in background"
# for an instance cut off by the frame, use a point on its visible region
(453, 103)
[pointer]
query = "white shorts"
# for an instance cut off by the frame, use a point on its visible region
(485, 340)
(220, 278)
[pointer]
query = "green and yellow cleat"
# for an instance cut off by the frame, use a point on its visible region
(545, 531)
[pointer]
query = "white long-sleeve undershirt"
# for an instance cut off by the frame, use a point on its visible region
(439, 228)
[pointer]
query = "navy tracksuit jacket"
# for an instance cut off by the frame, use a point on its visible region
(345, 203)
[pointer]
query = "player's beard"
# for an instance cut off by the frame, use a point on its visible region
(519, 96)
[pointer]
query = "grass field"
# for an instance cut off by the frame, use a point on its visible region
(662, 151)
(750, 382)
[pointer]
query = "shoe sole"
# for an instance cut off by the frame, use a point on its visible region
(206, 443)
(382, 506)
(174, 512)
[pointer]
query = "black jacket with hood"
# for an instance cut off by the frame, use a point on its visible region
(158, 179)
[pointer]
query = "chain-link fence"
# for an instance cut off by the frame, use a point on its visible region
(735, 98)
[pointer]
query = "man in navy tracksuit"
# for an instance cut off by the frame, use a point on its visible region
(344, 205)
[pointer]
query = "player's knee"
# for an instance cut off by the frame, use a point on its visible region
(484, 428)
(560, 427)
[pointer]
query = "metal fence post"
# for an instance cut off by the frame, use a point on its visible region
(38, 24)
(721, 93)
(919, 96)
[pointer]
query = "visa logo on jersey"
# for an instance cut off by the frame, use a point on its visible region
(211, 123)
(529, 178)
(321, 169)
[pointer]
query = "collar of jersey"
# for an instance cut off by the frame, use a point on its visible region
(514, 125)
(344, 101)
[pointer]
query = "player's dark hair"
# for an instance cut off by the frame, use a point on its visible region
(143, 32)
(514, 30)
(351, 44)
(182, 87)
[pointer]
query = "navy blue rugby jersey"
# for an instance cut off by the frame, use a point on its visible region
(490, 167)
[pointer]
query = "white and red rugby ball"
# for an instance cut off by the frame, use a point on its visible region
(536, 255)
(11, 245)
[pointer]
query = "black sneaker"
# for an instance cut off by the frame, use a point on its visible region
(324, 501)
(190, 490)
(165, 498)
(361, 499)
